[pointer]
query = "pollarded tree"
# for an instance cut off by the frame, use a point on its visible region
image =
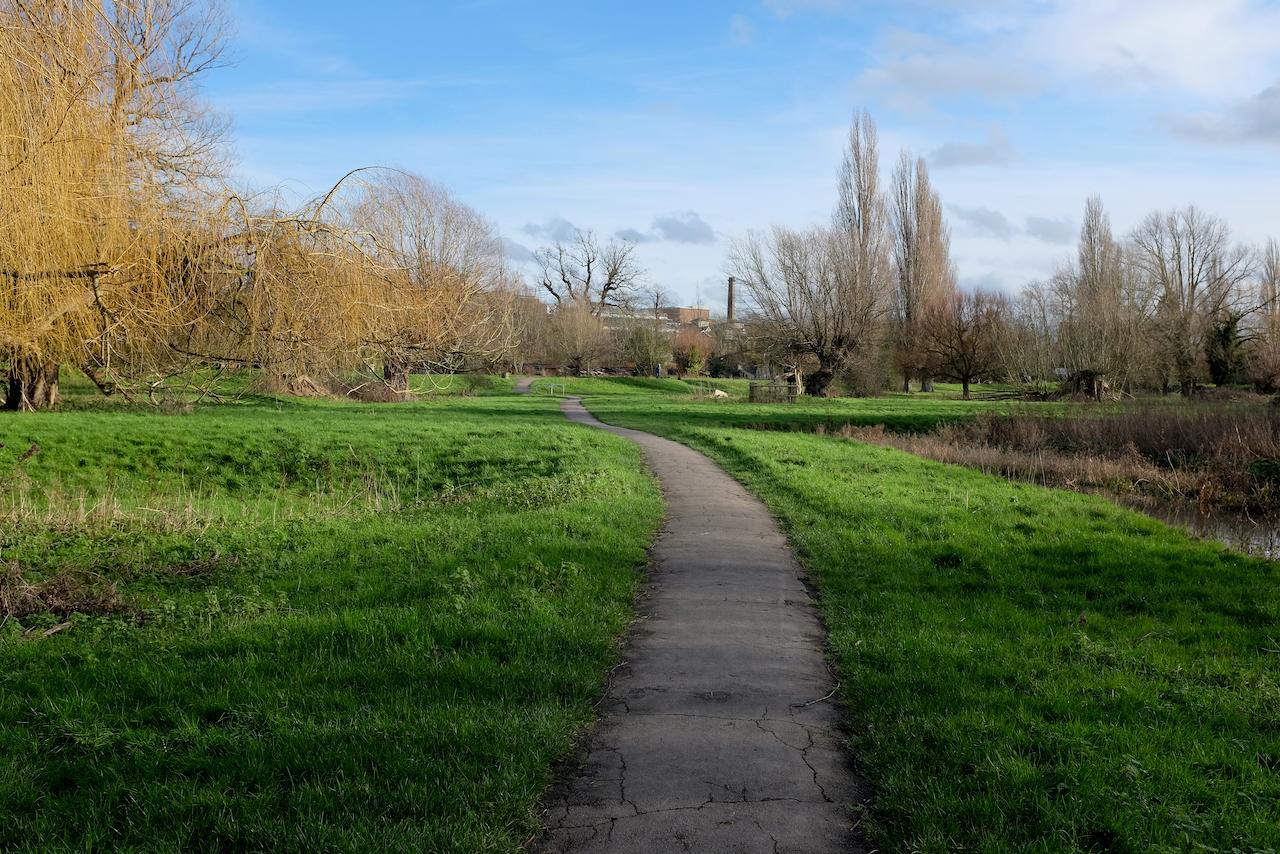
(103, 153)
(585, 272)
(691, 350)
(643, 339)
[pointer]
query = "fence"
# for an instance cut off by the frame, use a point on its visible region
(772, 392)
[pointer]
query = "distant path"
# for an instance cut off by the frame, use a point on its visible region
(522, 386)
(715, 735)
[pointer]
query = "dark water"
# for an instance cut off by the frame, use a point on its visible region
(1255, 536)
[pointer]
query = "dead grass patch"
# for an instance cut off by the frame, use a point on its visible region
(66, 593)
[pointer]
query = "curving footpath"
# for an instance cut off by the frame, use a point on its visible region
(717, 733)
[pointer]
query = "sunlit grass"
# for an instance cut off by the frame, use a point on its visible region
(321, 626)
(1022, 669)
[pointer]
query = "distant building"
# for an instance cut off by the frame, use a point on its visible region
(675, 319)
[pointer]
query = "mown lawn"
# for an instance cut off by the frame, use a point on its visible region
(1023, 669)
(304, 626)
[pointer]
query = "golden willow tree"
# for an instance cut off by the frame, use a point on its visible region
(103, 156)
(121, 253)
(385, 269)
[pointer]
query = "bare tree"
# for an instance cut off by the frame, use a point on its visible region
(1268, 298)
(1195, 274)
(584, 271)
(963, 333)
(1101, 313)
(447, 304)
(825, 293)
(922, 256)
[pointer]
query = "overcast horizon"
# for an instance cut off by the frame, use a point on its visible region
(682, 128)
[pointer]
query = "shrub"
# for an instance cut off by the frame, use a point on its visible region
(476, 383)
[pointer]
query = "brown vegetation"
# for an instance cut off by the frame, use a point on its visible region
(1213, 455)
(66, 593)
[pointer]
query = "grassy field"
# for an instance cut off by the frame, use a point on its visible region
(294, 624)
(669, 401)
(1023, 669)
(304, 625)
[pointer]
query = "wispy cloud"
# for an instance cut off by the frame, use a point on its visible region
(686, 227)
(741, 31)
(631, 235)
(915, 69)
(1147, 43)
(984, 222)
(556, 229)
(1056, 231)
(994, 151)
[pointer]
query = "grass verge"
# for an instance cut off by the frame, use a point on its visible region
(304, 625)
(1024, 669)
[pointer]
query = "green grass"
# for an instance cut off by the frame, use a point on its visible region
(345, 628)
(915, 413)
(637, 386)
(375, 627)
(988, 713)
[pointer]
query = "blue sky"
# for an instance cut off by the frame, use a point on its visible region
(684, 124)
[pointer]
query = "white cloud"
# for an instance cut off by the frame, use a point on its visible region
(1254, 120)
(913, 65)
(1214, 49)
(1202, 47)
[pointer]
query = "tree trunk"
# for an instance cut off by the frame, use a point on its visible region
(965, 384)
(395, 373)
(926, 381)
(33, 385)
(818, 383)
(906, 382)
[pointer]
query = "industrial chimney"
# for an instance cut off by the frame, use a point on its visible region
(732, 283)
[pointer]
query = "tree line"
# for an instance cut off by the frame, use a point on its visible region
(1173, 305)
(126, 253)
